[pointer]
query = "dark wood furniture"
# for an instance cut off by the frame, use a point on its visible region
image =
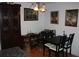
(31, 38)
(56, 44)
(68, 43)
(36, 39)
(10, 34)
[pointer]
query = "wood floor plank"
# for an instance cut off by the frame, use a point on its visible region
(37, 51)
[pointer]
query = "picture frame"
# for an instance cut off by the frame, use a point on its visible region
(54, 17)
(71, 17)
(30, 14)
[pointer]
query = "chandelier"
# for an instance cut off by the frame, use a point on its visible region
(40, 7)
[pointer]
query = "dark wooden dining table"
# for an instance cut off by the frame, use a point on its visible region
(55, 41)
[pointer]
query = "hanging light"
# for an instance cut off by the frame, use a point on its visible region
(39, 7)
(36, 7)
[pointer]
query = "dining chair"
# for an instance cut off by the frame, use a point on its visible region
(56, 47)
(68, 43)
(41, 39)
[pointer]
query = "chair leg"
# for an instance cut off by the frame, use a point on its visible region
(66, 52)
(63, 52)
(55, 54)
(70, 50)
(43, 50)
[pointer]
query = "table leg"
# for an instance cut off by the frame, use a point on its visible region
(43, 50)
(49, 52)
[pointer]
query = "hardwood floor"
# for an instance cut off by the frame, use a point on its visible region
(37, 51)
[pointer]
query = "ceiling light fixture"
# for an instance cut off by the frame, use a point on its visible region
(39, 7)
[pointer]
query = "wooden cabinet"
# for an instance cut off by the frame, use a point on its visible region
(10, 33)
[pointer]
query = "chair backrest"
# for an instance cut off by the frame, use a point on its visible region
(71, 37)
(62, 41)
(53, 33)
(50, 34)
(47, 35)
(42, 36)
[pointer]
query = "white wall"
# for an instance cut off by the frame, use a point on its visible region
(31, 26)
(61, 7)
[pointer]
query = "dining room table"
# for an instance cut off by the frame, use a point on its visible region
(55, 41)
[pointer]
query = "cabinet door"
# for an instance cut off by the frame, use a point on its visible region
(10, 29)
(5, 28)
(16, 20)
(14, 25)
(0, 23)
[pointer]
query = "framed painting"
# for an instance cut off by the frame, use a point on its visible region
(54, 17)
(71, 17)
(30, 15)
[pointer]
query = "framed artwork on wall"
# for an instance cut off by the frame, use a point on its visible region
(54, 17)
(30, 15)
(71, 17)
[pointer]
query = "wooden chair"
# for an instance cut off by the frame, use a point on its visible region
(68, 43)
